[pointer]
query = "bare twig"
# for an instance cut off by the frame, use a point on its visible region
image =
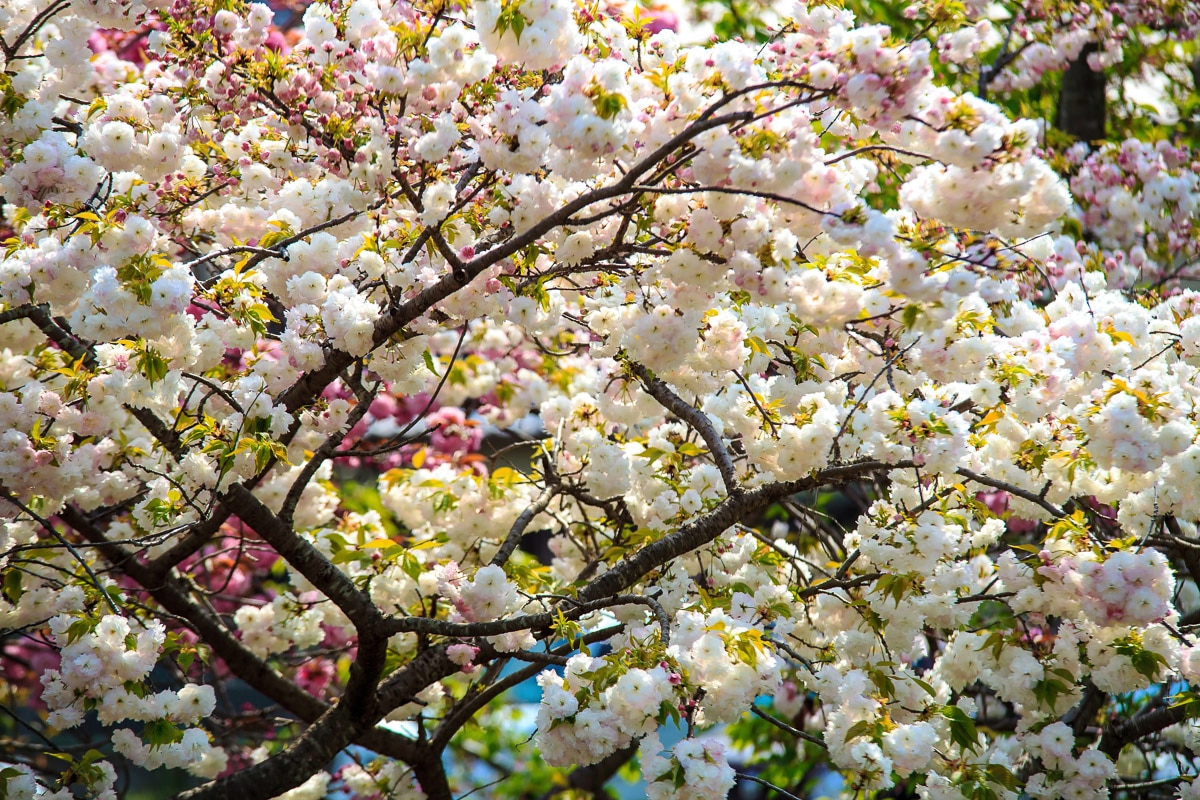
(783, 726)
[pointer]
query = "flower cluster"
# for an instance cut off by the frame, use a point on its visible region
(1125, 588)
(1139, 201)
(419, 342)
(540, 34)
(105, 666)
(699, 767)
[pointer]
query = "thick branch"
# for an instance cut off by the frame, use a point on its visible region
(355, 712)
(39, 315)
(1082, 713)
(426, 668)
(431, 777)
(591, 778)
(170, 593)
(305, 559)
(1082, 105)
(1117, 735)
(158, 429)
(200, 534)
(708, 527)
(518, 527)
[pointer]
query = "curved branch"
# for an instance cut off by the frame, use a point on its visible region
(869, 147)
(761, 782)
(159, 430)
(835, 583)
(322, 454)
(428, 626)
(668, 399)
(783, 726)
(466, 708)
(39, 315)
(62, 540)
(1119, 734)
(520, 524)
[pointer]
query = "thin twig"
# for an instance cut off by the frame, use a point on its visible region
(768, 784)
(783, 726)
(70, 547)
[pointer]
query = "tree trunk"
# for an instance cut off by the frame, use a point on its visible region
(1081, 106)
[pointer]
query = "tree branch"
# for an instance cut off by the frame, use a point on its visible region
(428, 626)
(306, 559)
(173, 596)
(783, 726)
(592, 777)
(731, 510)
(1119, 734)
(509, 545)
(697, 419)
(39, 315)
(1024, 494)
(339, 726)
(465, 708)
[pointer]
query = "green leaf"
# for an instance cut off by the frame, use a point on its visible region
(159, 732)
(962, 728)
(347, 555)
(1048, 691)
(998, 773)
(757, 345)
(883, 682)
(668, 710)
(607, 104)
(860, 728)
(652, 454)
(12, 585)
(80, 628)
(1145, 661)
(152, 365)
(511, 19)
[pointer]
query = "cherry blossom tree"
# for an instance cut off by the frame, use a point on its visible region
(856, 402)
